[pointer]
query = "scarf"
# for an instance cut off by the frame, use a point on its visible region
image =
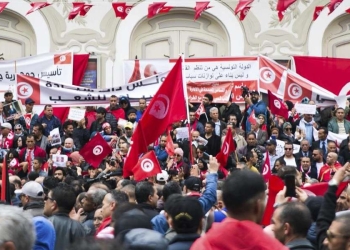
(308, 128)
(30, 158)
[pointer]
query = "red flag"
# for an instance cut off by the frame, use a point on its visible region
(95, 150)
(276, 106)
(296, 89)
(276, 184)
(5, 184)
(272, 75)
(65, 58)
(200, 7)
(282, 5)
(77, 7)
(28, 87)
(27, 119)
(227, 147)
(348, 11)
(147, 166)
(200, 111)
(244, 13)
(166, 9)
(121, 9)
(333, 4)
(154, 9)
(267, 168)
(3, 6)
(242, 4)
(167, 106)
(169, 147)
(85, 9)
(252, 119)
(37, 6)
(317, 12)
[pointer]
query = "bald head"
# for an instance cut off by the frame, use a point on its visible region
(68, 143)
(332, 158)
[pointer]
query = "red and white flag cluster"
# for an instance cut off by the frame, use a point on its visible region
(79, 8)
(121, 9)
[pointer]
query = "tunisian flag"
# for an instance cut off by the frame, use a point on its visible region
(37, 6)
(242, 4)
(227, 147)
(95, 150)
(296, 89)
(169, 147)
(200, 111)
(155, 8)
(121, 9)
(266, 173)
(200, 7)
(167, 106)
(317, 12)
(276, 106)
(244, 13)
(282, 6)
(333, 4)
(3, 6)
(147, 166)
(272, 76)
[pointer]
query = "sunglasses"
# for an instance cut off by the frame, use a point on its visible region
(177, 155)
(48, 198)
(288, 149)
(289, 129)
(18, 129)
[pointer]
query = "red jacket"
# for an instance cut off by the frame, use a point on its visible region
(38, 152)
(232, 234)
(118, 113)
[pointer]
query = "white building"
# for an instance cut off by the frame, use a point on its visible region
(218, 32)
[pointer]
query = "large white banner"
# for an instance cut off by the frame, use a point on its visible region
(197, 69)
(56, 67)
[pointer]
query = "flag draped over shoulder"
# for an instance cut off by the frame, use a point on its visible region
(167, 106)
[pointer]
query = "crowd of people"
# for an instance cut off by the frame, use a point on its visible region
(195, 202)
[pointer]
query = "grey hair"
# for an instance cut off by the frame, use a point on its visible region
(16, 227)
(97, 195)
(214, 109)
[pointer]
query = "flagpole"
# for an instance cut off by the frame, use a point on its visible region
(184, 84)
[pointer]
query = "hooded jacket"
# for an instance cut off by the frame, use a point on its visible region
(232, 234)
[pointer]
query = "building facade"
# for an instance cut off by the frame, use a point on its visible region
(217, 33)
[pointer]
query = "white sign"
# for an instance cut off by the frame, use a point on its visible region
(197, 70)
(280, 148)
(55, 137)
(182, 133)
(202, 141)
(122, 122)
(52, 67)
(305, 108)
(59, 160)
(76, 114)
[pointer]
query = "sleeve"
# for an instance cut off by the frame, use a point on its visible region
(208, 198)
(326, 215)
(34, 121)
(330, 127)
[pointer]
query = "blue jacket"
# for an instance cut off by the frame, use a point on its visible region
(207, 200)
(139, 115)
(53, 123)
(259, 108)
(161, 154)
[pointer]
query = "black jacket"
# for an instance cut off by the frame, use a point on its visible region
(326, 215)
(67, 230)
(300, 244)
(148, 210)
(182, 241)
(80, 137)
(233, 109)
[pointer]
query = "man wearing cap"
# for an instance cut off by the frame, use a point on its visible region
(32, 198)
(253, 104)
(96, 126)
(128, 131)
(6, 135)
(29, 119)
(131, 115)
(271, 151)
(125, 104)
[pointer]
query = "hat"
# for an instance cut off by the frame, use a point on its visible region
(129, 125)
(193, 183)
(18, 126)
(254, 92)
(130, 111)
(273, 142)
(179, 151)
(6, 125)
(29, 100)
(101, 110)
(123, 99)
(105, 125)
(33, 189)
(8, 92)
(163, 176)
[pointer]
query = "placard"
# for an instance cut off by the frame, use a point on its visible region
(305, 108)
(55, 137)
(12, 110)
(76, 114)
(280, 148)
(182, 133)
(59, 160)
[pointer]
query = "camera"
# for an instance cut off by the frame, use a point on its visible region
(245, 91)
